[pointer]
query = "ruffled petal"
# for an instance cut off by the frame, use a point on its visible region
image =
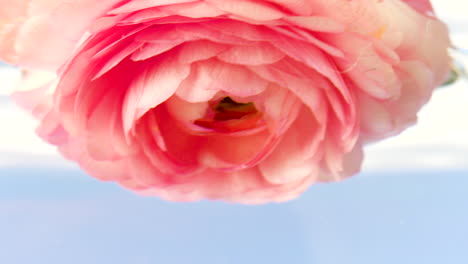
(210, 76)
(260, 53)
(295, 157)
(156, 82)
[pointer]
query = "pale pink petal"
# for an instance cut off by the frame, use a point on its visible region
(293, 158)
(152, 142)
(76, 108)
(387, 53)
(224, 151)
(184, 111)
(316, 59)
(417, 89)
(196, 9)
(280, 107)
(199, 50)
(142, 16)
(51, 130)
(240, 29)
(141, 170)
(260, 53)
(248, 9)
(115, 170)
(382, 120)
(269, 34)
(156, 82)
(110, 40)
(99, 127)
(104, 132)
(344, 135)
(317, 23)
(117, 58)
(149, 50)
(308, 37)
(342, 166)
(132, 6)
(376, 120)
(181, 146)
(366, 68)
(213, 75)
(189, 32)
(299, 7)
(289, 75)
(194, 89)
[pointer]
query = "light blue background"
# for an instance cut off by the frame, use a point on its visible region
(63, 216)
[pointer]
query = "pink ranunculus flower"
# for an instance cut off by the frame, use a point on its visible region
(240, 100)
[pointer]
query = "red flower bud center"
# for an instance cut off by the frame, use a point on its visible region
(228, 115)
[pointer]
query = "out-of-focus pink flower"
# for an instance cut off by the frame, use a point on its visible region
(240, 100)
(43, 33)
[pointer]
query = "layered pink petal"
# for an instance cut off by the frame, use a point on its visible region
(210, 76)
(294, 158)
(243, 100)
(248, 9)
(154, 84)
(260, 53)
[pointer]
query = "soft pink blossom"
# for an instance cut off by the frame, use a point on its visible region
(240, 100)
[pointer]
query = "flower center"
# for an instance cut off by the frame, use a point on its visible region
(230, 116)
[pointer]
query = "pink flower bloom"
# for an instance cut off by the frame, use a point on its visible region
(240, 100)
